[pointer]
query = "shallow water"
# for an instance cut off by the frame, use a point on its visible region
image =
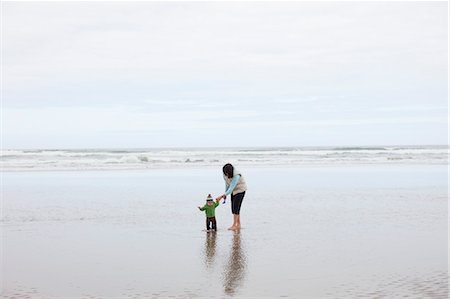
(374, 231)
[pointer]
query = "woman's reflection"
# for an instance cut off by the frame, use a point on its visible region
(235, 268)
(210, 248)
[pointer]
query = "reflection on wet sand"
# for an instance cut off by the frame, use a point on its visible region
(210, 248)
(235, 268)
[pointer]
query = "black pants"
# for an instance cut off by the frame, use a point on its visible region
(236, 202)
(212, 221)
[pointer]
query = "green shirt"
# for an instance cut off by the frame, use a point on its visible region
(210, 210)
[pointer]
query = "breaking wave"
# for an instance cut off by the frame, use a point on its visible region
(71, 159)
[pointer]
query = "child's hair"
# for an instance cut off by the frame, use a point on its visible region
(228, 170)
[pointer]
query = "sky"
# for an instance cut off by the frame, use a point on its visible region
(219, 74)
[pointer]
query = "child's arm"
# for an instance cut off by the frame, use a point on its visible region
(201, 208)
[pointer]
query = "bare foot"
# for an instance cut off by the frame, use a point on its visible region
(232, 227)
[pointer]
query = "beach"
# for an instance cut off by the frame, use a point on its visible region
(118, 118)
(327, 231)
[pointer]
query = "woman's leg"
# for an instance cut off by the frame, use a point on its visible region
(233, 208)
(234, 226)
(238, 199)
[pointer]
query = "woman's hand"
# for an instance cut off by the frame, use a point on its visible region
(220, 197)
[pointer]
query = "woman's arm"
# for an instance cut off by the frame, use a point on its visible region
(233, 184)
(230, 188)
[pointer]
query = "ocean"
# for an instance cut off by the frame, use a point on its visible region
(109, 159)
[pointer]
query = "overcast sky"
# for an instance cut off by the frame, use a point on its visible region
(154, 74)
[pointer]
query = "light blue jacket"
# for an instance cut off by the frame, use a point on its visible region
(230, 188)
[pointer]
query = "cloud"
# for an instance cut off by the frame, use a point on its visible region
(118, 118)
(421, 108)
(90, 67)
(170, 39)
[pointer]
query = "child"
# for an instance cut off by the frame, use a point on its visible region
(209, 209)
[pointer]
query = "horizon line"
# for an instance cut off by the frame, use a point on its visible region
(232, 147)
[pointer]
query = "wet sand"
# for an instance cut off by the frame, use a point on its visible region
(367, 231)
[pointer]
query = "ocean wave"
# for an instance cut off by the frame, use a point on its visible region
(359, 149)
(137, 159)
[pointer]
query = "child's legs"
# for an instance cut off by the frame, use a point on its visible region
(207, 223)
(214, 223)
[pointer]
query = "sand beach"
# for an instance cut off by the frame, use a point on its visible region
(361, 231)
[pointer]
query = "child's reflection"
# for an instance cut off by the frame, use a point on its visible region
(235, 268)
(210, 248)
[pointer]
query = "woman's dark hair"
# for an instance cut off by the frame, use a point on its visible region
(228, 170)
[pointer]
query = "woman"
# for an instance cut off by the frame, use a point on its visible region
(234, 185)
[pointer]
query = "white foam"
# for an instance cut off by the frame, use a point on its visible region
(13, 160)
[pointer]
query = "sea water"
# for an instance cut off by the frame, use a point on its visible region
(84, 159)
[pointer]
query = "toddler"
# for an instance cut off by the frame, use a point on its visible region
(209, 209)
